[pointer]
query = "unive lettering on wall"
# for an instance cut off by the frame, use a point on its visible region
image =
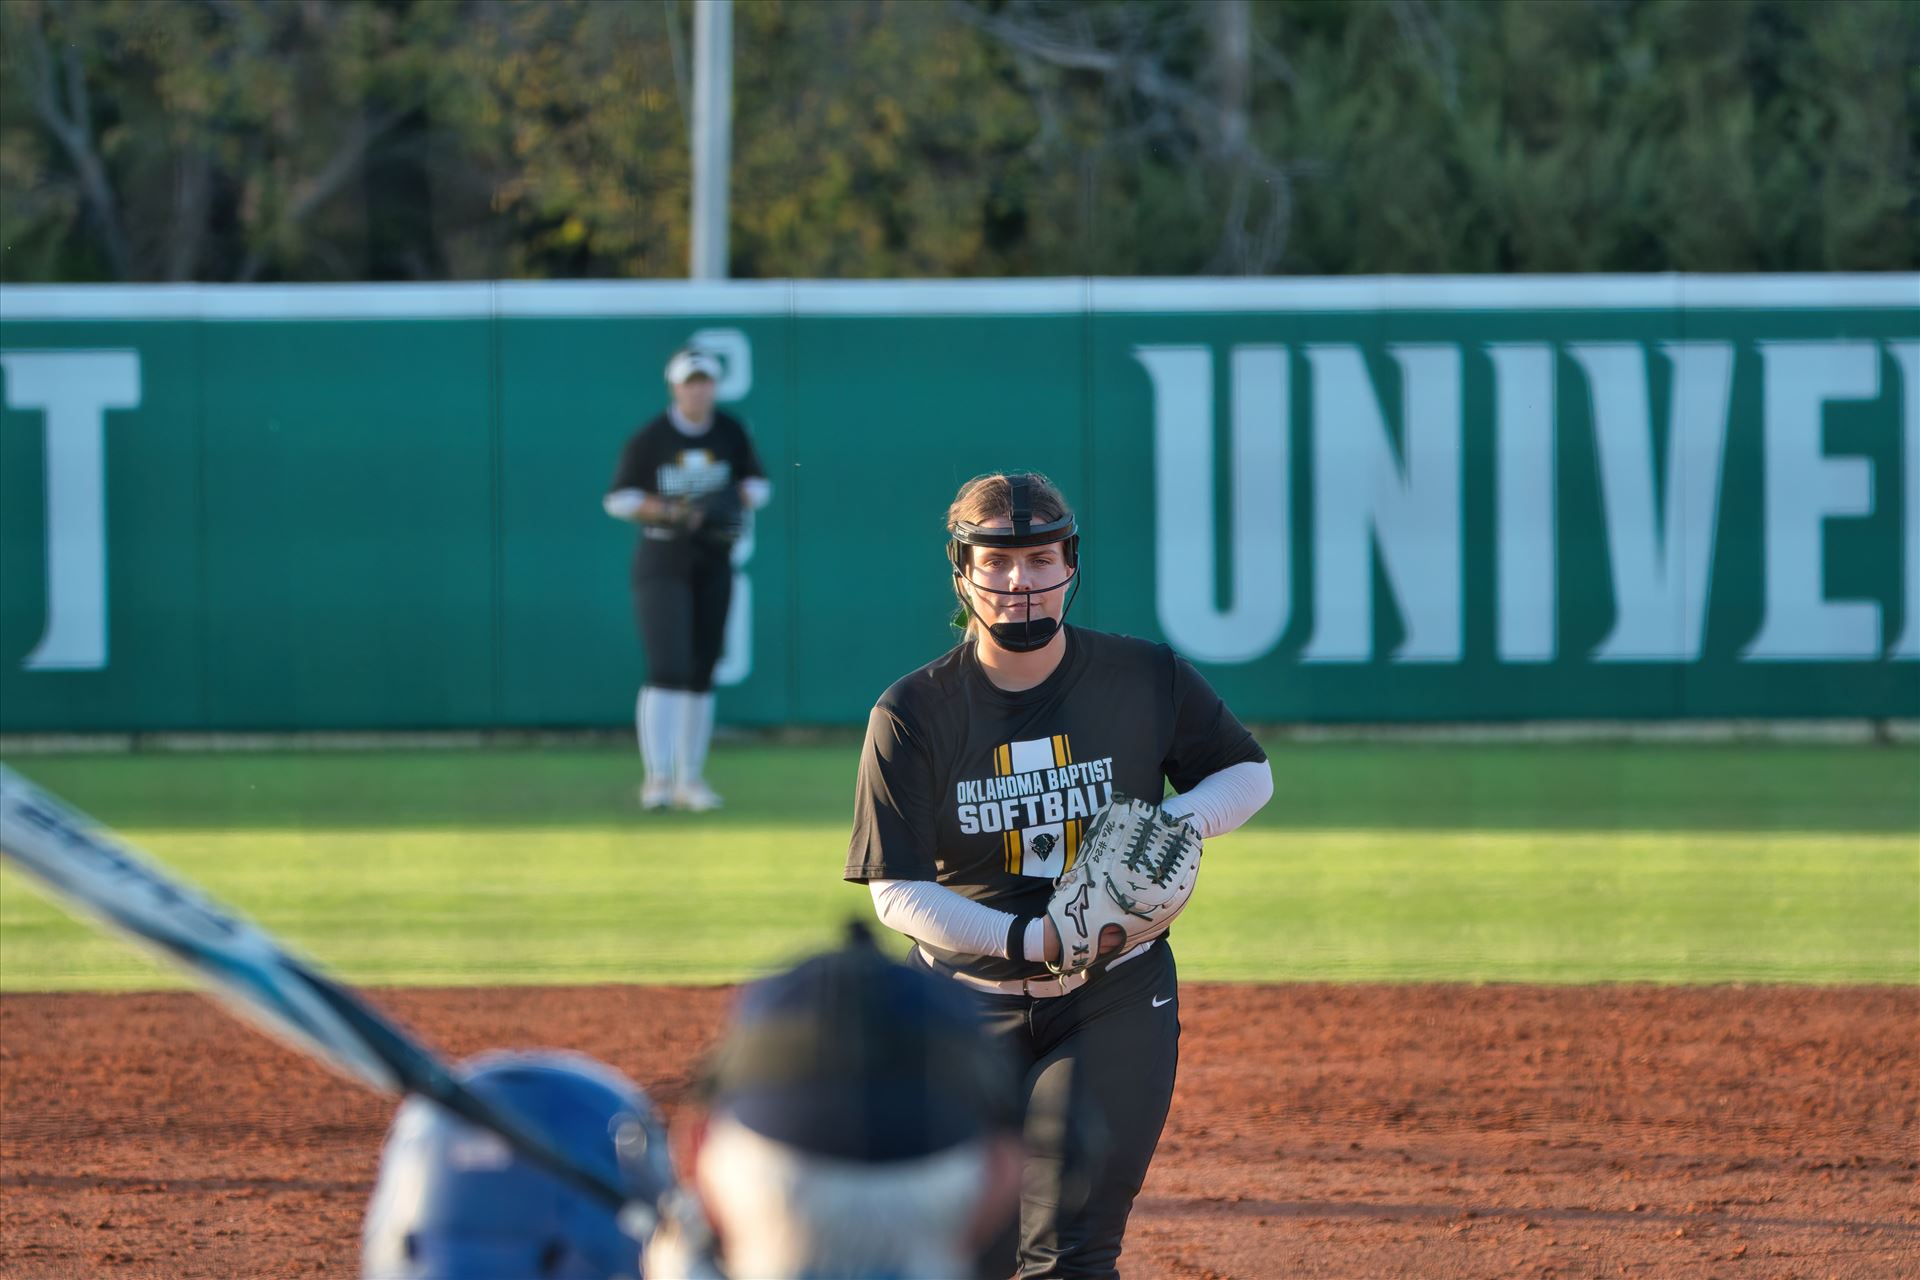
(72, 391)
(1907, 356)
(1401, 500)
(1259, 515)
(1805, 487)
(1357, 500)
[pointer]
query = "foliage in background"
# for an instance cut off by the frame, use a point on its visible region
(435, 139)
(222, 140)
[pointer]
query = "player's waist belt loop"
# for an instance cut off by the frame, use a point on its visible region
(1043, 988)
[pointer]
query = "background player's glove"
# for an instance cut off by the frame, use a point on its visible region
(677, 515)
(1136, 869)
(720, 517)
(714, 517)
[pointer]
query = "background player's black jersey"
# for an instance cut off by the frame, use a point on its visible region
(662, 459)
(988, 792)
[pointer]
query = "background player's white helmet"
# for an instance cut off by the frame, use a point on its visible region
(692, 362)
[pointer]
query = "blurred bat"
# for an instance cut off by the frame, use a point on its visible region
(254, 976)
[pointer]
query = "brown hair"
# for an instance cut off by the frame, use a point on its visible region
(990, 497)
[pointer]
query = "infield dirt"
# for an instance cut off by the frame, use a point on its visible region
(1318, 1130)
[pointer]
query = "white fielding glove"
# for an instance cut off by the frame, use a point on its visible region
(1136, 868)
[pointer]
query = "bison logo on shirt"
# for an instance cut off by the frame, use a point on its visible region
(1054, 803)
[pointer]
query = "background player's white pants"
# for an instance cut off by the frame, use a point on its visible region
(674, 728)
(657, 716)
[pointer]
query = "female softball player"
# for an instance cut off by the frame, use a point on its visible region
(687, 478)
(980, 775)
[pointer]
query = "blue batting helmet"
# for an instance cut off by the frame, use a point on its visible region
(455, 1202)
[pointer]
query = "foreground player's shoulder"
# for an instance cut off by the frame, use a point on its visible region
(919, 710)
(920, 692)
(1114, 653)
(1148, 668)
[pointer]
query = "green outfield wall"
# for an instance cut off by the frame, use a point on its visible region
(1383, 499)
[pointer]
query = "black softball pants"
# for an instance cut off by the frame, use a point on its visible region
(1100, 1068)
(683, 622)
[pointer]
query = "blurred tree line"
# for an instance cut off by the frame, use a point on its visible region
(435, 139)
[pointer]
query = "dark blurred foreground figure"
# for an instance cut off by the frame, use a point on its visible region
(858, 1125)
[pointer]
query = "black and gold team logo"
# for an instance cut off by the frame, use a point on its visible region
(1038, 800)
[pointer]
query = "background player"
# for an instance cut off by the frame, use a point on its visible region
(979, 775)
(858, 1125)
(688, 478)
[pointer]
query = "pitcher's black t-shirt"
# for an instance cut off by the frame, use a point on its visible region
(988, 792)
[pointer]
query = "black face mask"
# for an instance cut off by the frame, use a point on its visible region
(1029, 633)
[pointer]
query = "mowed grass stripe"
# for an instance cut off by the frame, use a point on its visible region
(506, 897)
(1355, 786)
(1550, 906)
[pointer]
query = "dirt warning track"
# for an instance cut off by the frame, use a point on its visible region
(1318, 1130)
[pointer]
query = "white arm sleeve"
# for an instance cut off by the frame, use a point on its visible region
(756, 492)
(1221, 801)
(930, 912)
(623, 504)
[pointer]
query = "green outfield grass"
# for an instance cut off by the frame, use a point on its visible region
(1374, 862)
